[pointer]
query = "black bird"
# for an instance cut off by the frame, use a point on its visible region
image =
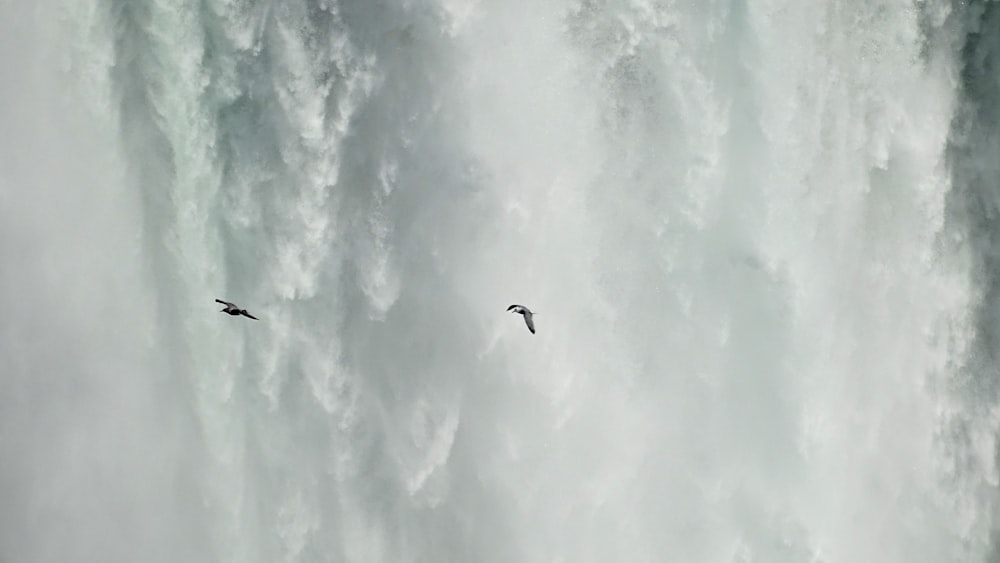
(234, 310)
(522, 310)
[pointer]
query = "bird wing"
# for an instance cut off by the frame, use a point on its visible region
(245, 314)
(529, 322)
(224, 302)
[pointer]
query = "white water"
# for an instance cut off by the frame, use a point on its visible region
(755, 309)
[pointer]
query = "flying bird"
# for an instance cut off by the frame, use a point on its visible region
(233, 310)
(522, 310)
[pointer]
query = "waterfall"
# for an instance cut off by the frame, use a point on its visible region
(758, 236)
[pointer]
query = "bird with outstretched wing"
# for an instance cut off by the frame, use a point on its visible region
(234, 310)
(526, 313)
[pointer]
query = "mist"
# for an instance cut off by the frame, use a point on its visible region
(752, 232)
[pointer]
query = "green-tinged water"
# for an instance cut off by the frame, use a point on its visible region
(757, 234)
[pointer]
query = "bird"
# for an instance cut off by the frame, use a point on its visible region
(522, 310)
(233, 310)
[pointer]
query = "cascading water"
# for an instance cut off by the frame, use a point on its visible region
(758, 235)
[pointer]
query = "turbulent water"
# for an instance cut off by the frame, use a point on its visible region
(761, 238)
